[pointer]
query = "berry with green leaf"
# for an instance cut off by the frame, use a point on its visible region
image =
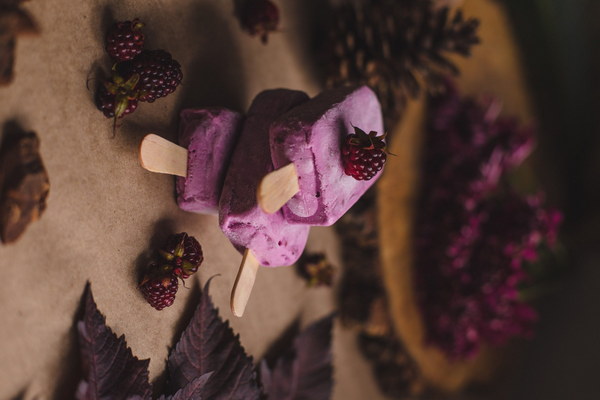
(183, 253)
(106, 103)
(118, 97)
(363, 154)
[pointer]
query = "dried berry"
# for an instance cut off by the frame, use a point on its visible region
(125, 40)
(363, 155)
(316, 269)
(259, 18)
(159, 286)
(183, 253)
(159, 74)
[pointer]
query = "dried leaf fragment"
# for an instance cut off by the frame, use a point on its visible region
(24, 183)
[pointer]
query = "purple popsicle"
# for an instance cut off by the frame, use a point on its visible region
(310, 136)
(272, 240)
(210, 135)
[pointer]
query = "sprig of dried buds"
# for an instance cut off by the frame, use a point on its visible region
(473, 234)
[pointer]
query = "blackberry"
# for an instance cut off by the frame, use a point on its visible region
(125, 40)
(259, 18)
(159, 74)
(363, 155)
(184, 253)
(159, 288)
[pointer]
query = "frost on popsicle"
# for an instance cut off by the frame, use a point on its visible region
(273, 240)
(209, 134)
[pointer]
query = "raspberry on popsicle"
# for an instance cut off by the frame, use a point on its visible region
(306, 144)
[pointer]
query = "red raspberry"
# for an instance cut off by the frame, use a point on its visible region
(184, 253)
(259, 17)
(159, 74)
(159, 288)
(125, 40)
(363, 155)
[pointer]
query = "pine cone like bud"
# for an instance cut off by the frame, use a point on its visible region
(395, 47)
(397, 374)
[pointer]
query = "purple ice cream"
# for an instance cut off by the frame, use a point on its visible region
(270, 237)
(210, 135)
(311, 136)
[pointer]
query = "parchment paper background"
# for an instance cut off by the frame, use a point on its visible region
(104, 210)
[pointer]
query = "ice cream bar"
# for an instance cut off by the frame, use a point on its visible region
(209, 135)
(310, 136)
(272, 240)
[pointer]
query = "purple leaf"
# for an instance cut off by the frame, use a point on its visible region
(209, 345)
(195, 390)
(305, 371)
(110, 369)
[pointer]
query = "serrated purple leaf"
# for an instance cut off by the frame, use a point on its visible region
(110, 369)
(304, 372)
(265, 375)
(195, 390)
(209, 345)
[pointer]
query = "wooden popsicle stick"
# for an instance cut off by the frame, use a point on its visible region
(277, 187)
(160, 155)
(244, 282)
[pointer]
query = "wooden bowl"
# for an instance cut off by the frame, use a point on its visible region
(493, 69)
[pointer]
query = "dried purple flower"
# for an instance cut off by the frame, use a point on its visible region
(474, 235)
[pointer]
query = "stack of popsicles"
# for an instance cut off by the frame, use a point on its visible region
(270, 174)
